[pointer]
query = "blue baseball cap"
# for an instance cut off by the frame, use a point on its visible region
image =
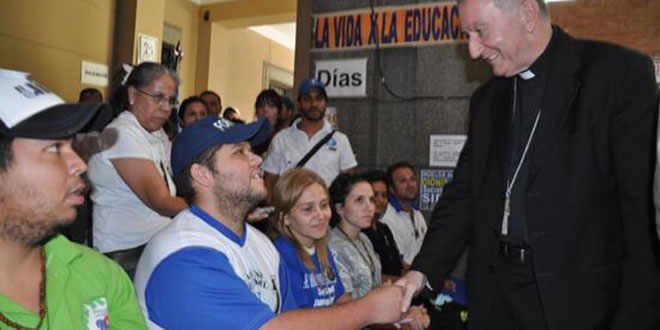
(307, 85)
(204, 134)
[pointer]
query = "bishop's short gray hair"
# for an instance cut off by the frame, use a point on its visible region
(508, 4)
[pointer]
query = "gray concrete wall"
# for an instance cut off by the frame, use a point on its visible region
(384, 129)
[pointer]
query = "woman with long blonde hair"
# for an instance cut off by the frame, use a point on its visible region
(302, 216)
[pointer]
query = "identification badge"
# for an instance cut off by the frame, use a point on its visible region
(95, 314)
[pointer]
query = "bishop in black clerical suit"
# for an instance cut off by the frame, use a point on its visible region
(552, 191)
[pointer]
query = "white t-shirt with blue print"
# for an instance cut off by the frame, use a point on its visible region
(197, 274)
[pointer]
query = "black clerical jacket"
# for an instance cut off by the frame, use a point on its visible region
(589, 202)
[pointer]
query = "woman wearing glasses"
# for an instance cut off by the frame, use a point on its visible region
(302, 216)
(133, 192)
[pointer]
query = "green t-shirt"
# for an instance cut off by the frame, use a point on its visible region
(84, 290)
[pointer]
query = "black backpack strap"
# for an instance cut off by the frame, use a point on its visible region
(316, 148)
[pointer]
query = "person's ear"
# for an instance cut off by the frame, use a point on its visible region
(284, 219)
(131, 94)
(530, 13)
(201, 175)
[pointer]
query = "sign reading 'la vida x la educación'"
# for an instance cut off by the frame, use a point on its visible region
(415, 25)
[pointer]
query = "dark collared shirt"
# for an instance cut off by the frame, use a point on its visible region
(530, 93)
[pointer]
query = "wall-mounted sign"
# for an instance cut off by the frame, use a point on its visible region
(444, 150)
(413, 25)
(432, 185)
(147, 48)
(93, 74)
(343, 78)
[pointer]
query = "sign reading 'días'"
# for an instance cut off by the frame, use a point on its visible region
(343, 78)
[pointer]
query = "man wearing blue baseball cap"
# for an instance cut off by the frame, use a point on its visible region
(310, 141)
(46, 281)
(209, 269)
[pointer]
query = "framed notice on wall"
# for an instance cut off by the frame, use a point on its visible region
(147, 48)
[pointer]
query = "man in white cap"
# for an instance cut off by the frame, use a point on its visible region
(47, 282)
(209, 269)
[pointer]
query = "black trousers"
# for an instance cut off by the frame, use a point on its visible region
(516, 305)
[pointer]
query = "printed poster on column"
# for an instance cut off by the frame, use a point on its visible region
(433, 182)
(444, 150)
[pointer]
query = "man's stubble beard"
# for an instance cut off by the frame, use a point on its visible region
(238, 200)
(27, 224)
(309, 118)
(30, 233)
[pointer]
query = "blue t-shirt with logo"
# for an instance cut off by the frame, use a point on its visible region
(309, 288)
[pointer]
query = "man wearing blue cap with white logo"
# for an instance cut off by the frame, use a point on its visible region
(46, 281)
(310, 142)
(209, 269)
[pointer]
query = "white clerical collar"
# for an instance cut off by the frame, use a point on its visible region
(527, 74)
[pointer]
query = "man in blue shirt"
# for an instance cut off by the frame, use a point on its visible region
(211, 270)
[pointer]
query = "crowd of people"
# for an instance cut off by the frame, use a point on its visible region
(200, 220)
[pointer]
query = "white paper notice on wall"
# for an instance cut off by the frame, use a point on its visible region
(444, 150)
(343, 78)
(93, 74)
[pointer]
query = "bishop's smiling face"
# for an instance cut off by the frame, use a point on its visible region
(496, 35)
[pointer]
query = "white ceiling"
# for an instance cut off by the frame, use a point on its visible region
(284, 34)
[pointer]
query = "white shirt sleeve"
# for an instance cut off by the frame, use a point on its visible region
(346, 156)
(275, 162)
(130, 144)
(409, 256)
